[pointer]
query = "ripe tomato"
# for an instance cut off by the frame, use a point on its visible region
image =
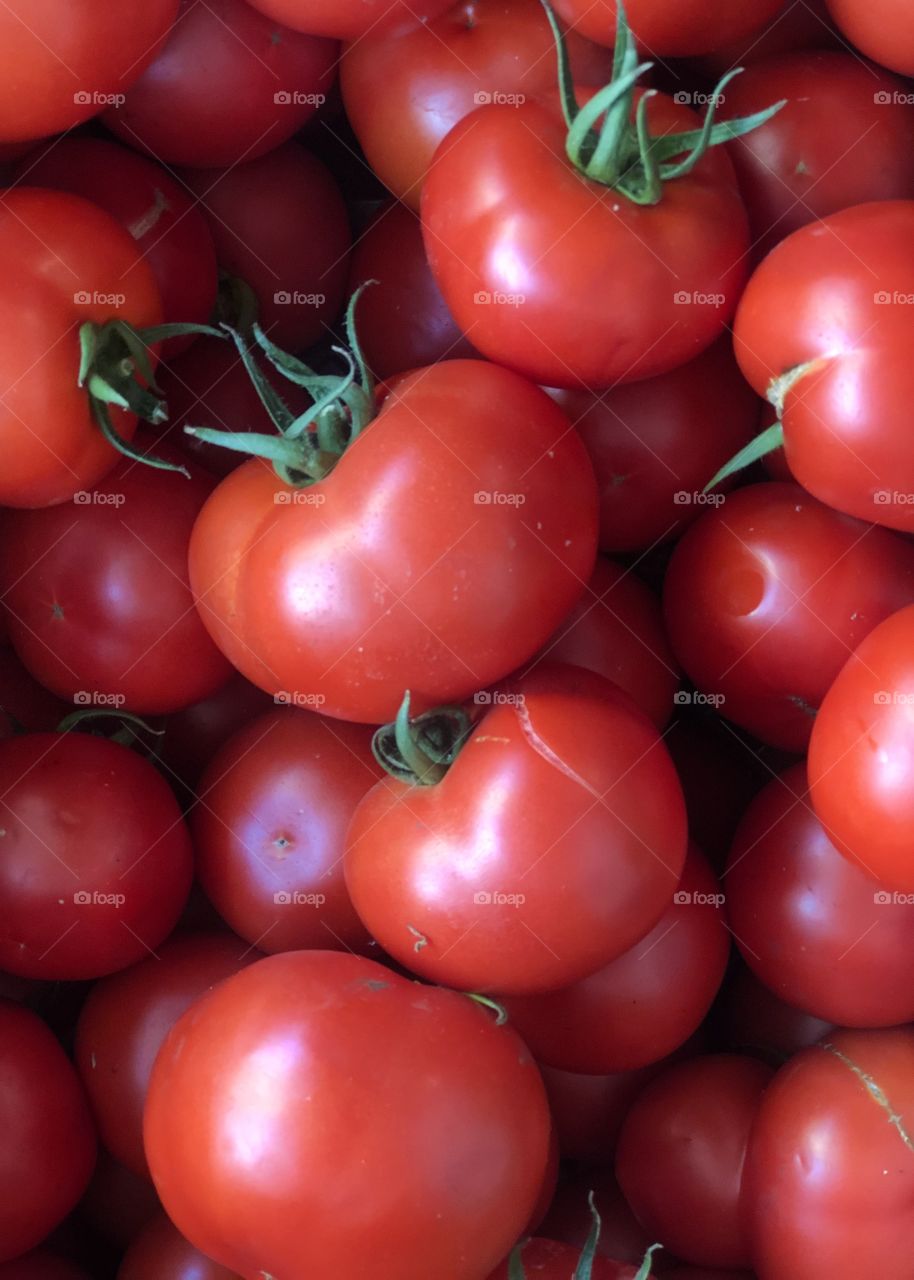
(280, 223)
(830, 1166)
(160, 1252)
(405, 88)
(549, 1260)
(672, 30)
(432, 1118)
(270, 826)
(766, 597)
(881, 30)
(66, 262)
(96, 859)
(645, 1004)
(861, 755)
(681, 1154)
(842, 385)
(48, 1142)
(348, 19)
(405, 568)
(65, 63)
(551, 846)
(844, 137)
(181, 109)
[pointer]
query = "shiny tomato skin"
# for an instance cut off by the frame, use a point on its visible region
(645, 1004)
(349, 19)
(404, 569)
(830, 1167)
(85, 818)
(830, 308)
(881, 30)
(861, 755)
(766, 597)
(681, 1155)
(553, 844)
(655, 444)
(65, 262)
(449, 1109)
(269, 831)
(671, 30)
(550, 1260)
(636, 289)
(160, 1252)
(48, 1140)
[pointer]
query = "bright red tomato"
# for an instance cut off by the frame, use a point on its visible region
(96, 859)
(348, 19)
(672, 30)
(160, 1252)
(551, 846)
(879, 28)
(432, 1118)
(280, 223)
(645, 1004)
(830, 1168)
(65, 263)
(404, 569)
(64, 63)
(681, 1154)
(228, 85)
(824, 329)
(48, 1144)
(861, 756)
(767, 596)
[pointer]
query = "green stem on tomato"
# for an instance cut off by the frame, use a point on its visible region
(420, 752)
(764, 443)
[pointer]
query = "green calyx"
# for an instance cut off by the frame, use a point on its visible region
(621, 152)
(304, 449)
(584, 1268)
(420, 752)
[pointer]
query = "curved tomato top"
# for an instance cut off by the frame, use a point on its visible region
(675, 30)
(431, 1119)
(879, 28)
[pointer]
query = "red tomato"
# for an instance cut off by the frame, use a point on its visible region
(830, 1166)
(66, 262)
(270, 826)
(768, 595)
(64, 63)
(552, 845)
(97, 861)
(99, 603)
(42, 1265)
(404, 322)
(672, 30)
(655, 444)
(281, 225)
(845, 137)
(118, 1203)
(756, 1021)
(861, 757)
(160, 1252)
(645, 1004)
(824, 329)
(681, 1154)
(432, 1119)
(127, 1017)
(549, 1260)
(636, 290)
(404, 569)
(348, 19)
(881, 29)
(48, 1144)
(169, 231)
(194, 735)
(405, 88)
(228, 85)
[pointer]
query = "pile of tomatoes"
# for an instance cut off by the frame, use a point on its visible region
(456, 640)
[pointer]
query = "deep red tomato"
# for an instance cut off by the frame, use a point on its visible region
(100, 610)
(169, 231)
(551, 846)
(655, 444)
(127, 1017)
(404, 322)
(830, 1168)
(861, 756)
(281, 225)
(842, 385)
(405, 568)
(160, 1252)
(681, 1154)
(645, 1004)
(194, 735)
(432, 1118)
(42, 1265)
(227, 86)
(550, 1260)
(65, 262)
(270, 825)
(117, 1203)
(405, 88)
(672, 30)
(64, 63)
(348, 19)
(845, 137)
(631, 290)
(754, 1020)
(767, 596)
(48, 1144)
(880, 29)
(96, 859)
